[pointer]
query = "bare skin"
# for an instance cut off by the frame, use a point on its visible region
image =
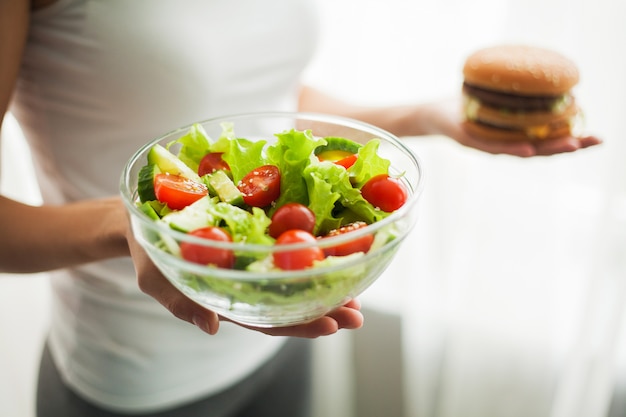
(436, 118)
(92, 230)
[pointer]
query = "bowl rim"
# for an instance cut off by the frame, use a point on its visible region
(127, 193)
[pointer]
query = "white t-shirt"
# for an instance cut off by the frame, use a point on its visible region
(101, 78)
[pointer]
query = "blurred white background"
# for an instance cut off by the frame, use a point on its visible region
(510, 290)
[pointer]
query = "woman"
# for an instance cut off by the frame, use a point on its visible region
(89, 82)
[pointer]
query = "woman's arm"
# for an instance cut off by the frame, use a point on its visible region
(49, 237)
(434, 118)
(42, 238)
(14, 17)
(395, 119)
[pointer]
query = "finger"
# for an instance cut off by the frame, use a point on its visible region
(555, 146)
(354, 303)
(322, 326)
(178, 304)
(152, 282)
(347, 318)
(588, 141)
(566, 144)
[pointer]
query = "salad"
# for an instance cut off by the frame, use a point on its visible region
(294, 188)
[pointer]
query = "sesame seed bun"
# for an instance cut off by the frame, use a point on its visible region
(521, 69)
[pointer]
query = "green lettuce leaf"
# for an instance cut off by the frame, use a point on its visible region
(243, 156)
(368, 164)
(222, 144)
(333, 199)
(194, 145)
(292, 153)
(322, 198)
(243, 226)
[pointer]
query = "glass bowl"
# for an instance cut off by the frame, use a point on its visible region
(273, 297)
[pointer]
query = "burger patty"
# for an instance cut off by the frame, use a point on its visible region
(557, 124)
(510, 101)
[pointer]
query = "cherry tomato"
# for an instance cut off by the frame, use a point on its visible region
(212, 162)
(292, 216)
(344, 158)
(347, 162)
(176, 191)
(385, 192)
(298, 258)
(360, 244)
(261, 186)
(222, 258)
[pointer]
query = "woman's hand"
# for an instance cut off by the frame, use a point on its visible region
(153, 283)
(445, 118)
(437, 118)
(346, 317)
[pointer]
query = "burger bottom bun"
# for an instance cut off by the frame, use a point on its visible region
(494, 133)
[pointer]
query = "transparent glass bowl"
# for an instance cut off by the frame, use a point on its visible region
(277, 297)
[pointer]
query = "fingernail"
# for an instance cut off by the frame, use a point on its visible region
(201, 323)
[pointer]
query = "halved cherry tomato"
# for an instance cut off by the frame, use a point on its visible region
(222, 258)
(340, 157)
(261, 186)
(360, 244)
(176, 191)
(291, 216)
(385, 192)
(348, 161)
(212, 162)
(298, 258)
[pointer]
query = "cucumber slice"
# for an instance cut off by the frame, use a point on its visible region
(147, 209)
(225, 188)
(168, 162)
(338, 144)
(192, 217)
(145, 182)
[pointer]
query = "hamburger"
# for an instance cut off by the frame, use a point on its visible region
(519, 92)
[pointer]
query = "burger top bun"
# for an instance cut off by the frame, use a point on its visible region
(521, 69)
